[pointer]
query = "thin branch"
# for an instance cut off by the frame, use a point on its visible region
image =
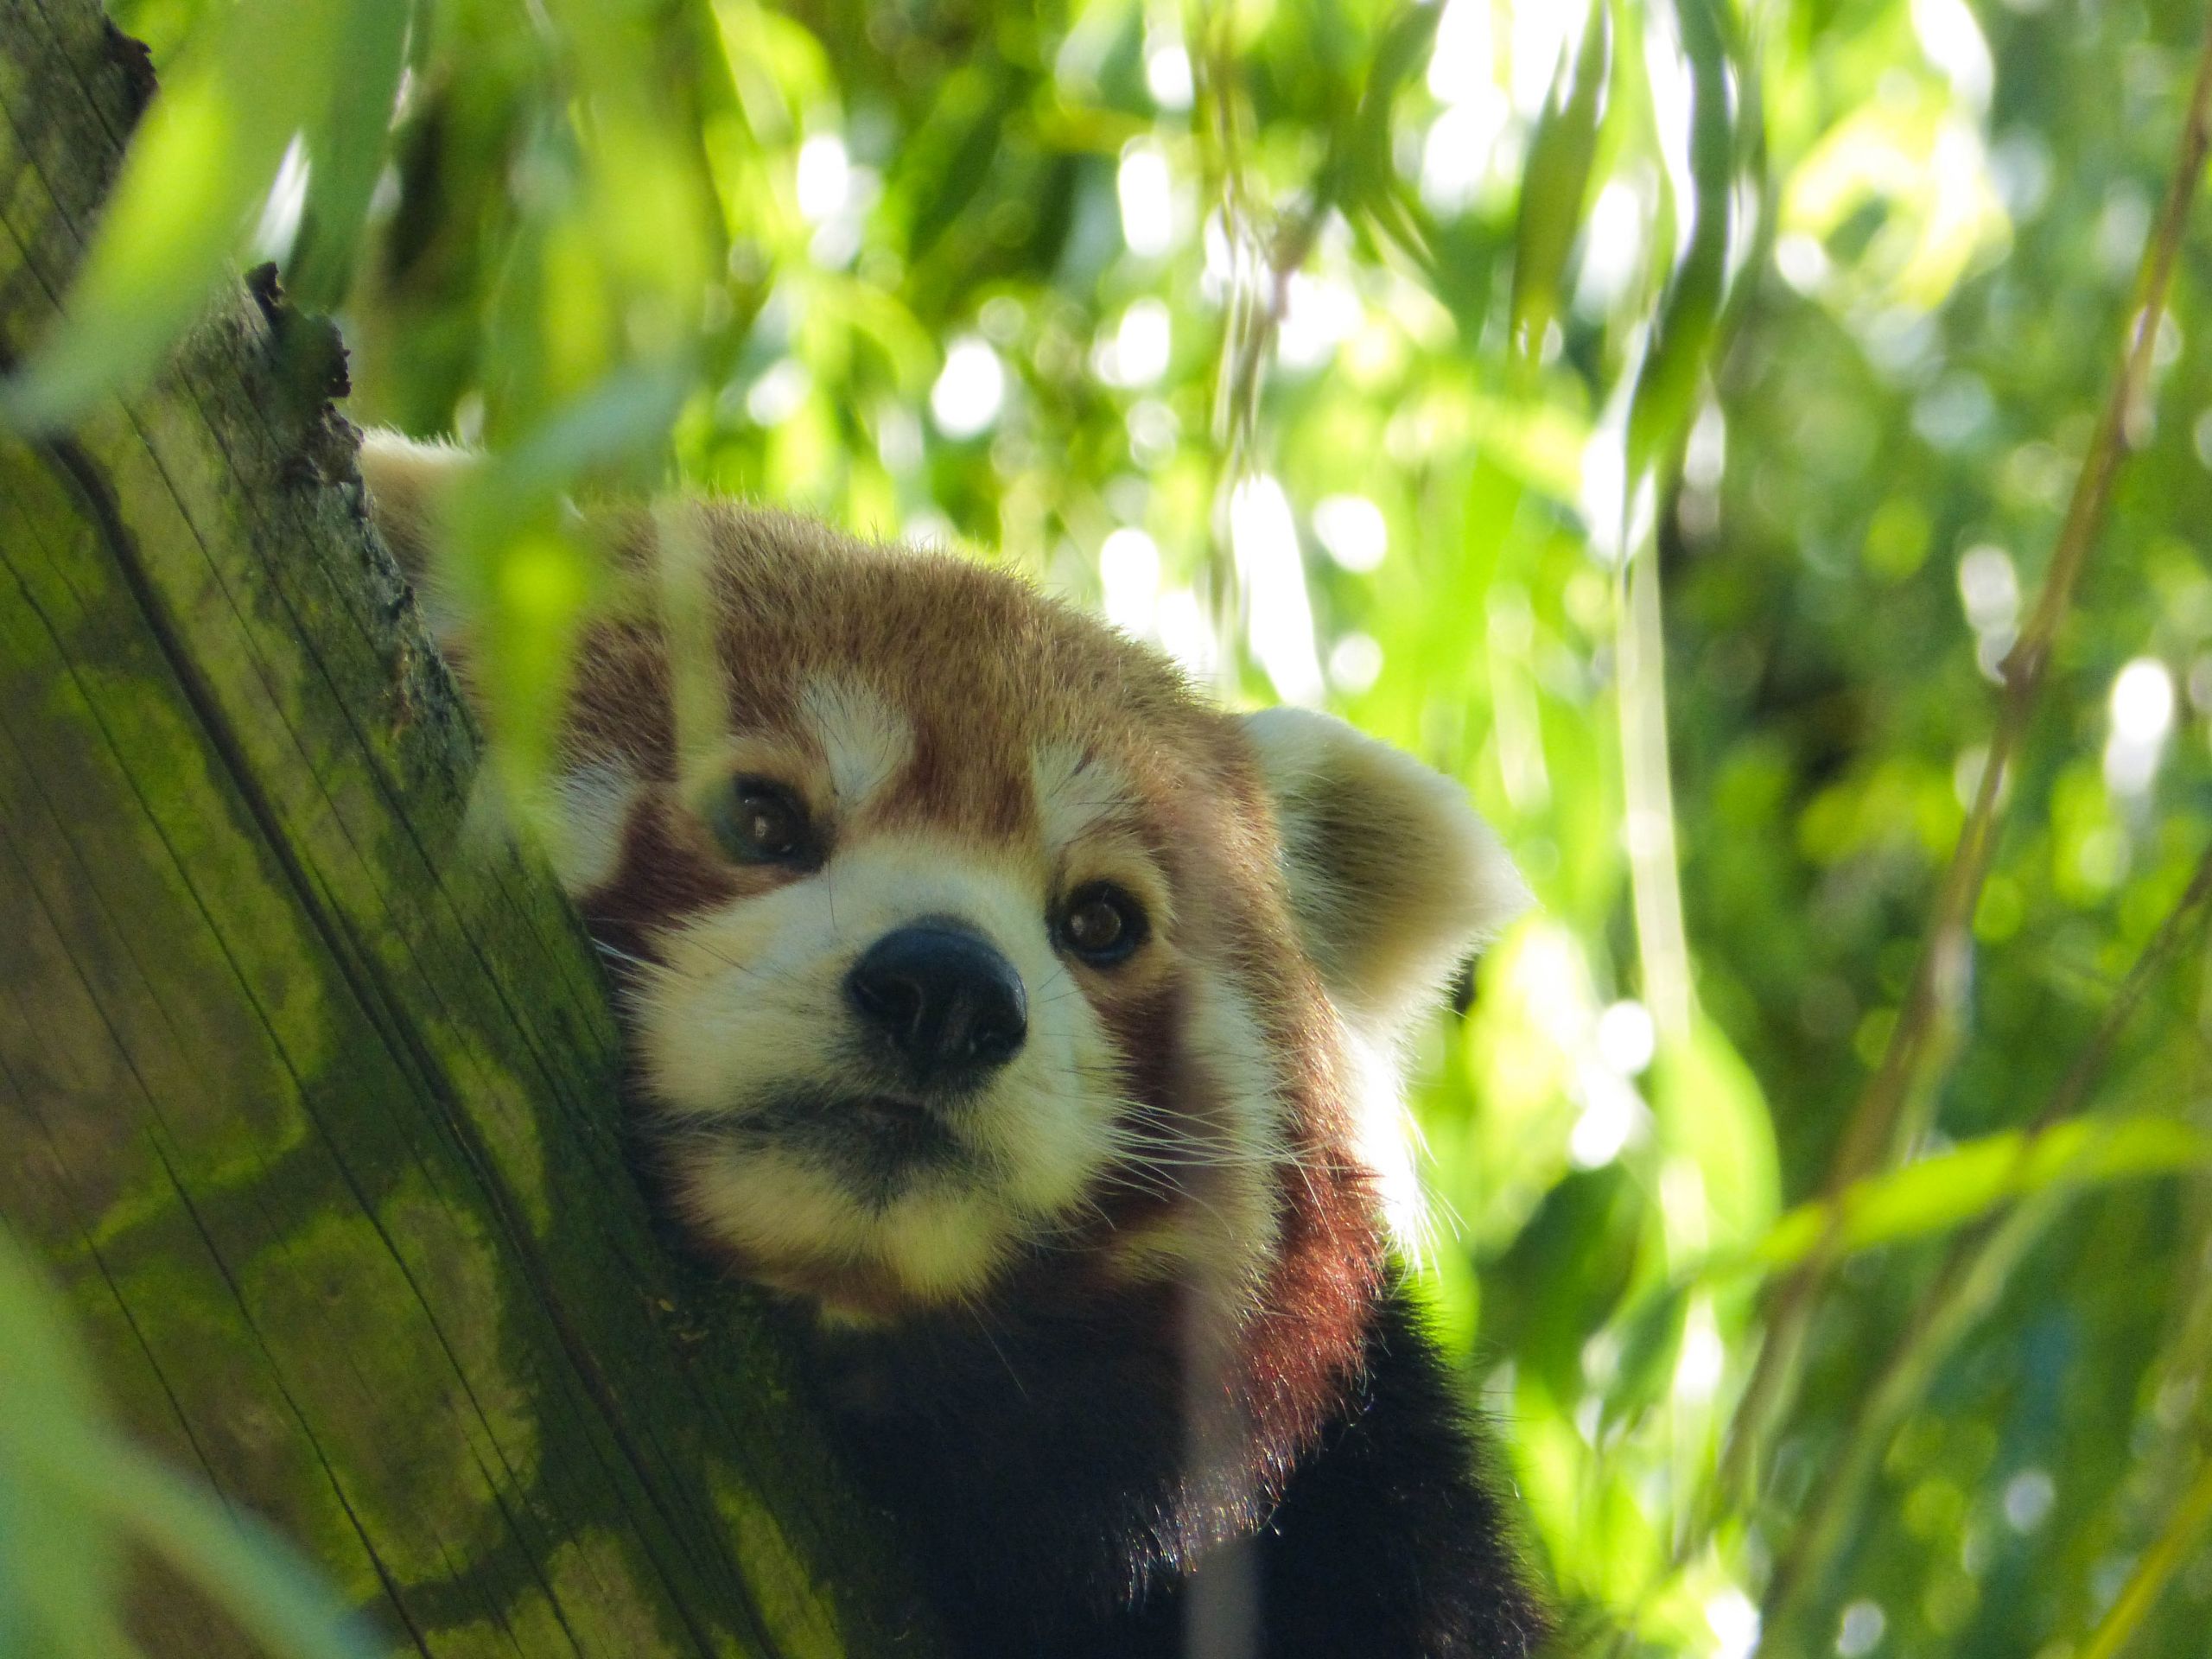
(2181, 922)
(2159, 1563)
(1937, 975)
(1974, 1274)
(1872, 1134)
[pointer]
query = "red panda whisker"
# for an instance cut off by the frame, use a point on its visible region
(627, 958)
(1173, 1137)
(1203, 1161)
(1153, 1182)
(978, 1310)
(750, 969)
(1177, 1140)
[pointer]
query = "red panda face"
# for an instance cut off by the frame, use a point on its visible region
(897, 1054)
(956, 938)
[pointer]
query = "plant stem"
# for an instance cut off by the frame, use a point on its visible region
(1974, 1274)
(1654, 864)
(1881, 1126)
(2159, 1564)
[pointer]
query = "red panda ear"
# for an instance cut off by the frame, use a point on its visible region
(410, 485)
(1393, 876)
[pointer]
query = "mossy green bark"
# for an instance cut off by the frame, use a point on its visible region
(305, 1082)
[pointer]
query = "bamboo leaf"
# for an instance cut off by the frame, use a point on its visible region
(345, 149)
(1557, 181)
(1667, 385)
(1652, 1342)
(1370, 178)
(1712, 1115)
(62, 1463)
(1970, 1180)
(201, 164)
(59, 1575)
(258, 1578)
(2159, 1563)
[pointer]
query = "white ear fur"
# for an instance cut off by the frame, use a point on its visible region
(1393, 877)
(579, 815)
(410, 487)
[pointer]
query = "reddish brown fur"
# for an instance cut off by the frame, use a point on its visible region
(896, 622)
(1232, 1368)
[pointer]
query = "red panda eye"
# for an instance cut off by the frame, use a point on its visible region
(1103, 924)
(759, 822)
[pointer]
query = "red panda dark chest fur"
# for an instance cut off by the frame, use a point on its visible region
(1028, 1021)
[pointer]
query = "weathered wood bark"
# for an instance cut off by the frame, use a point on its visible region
(303, 1078)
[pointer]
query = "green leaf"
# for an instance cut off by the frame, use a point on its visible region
(1652, 1342)
(202, 163)
(61, 1462)
(1972, 1179)
(623, 416)
(258, 1578)
(346, 143)
(1713, 1119)
(1557, 181)
(1666, 386)
(1368, 176)
(60, 1565)
(524, 579)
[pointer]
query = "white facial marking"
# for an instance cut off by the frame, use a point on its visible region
(588, 810)
(941, 1236)
(863, 739)
(751, 1002)
(1075, 793)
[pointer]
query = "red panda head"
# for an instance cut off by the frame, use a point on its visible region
(958, 939)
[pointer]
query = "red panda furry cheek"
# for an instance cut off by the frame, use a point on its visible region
(1393, 877)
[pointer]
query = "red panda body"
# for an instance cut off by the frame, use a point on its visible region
(1025, 1017)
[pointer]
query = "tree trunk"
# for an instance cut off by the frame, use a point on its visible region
(304, 1078)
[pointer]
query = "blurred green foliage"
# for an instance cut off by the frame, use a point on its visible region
(1549, 387)
(75, 1495)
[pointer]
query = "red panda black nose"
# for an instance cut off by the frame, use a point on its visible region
(951, 1005)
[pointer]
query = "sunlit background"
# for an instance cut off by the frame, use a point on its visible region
(1660, 417)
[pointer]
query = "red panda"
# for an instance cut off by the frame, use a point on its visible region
(1023, 1015)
